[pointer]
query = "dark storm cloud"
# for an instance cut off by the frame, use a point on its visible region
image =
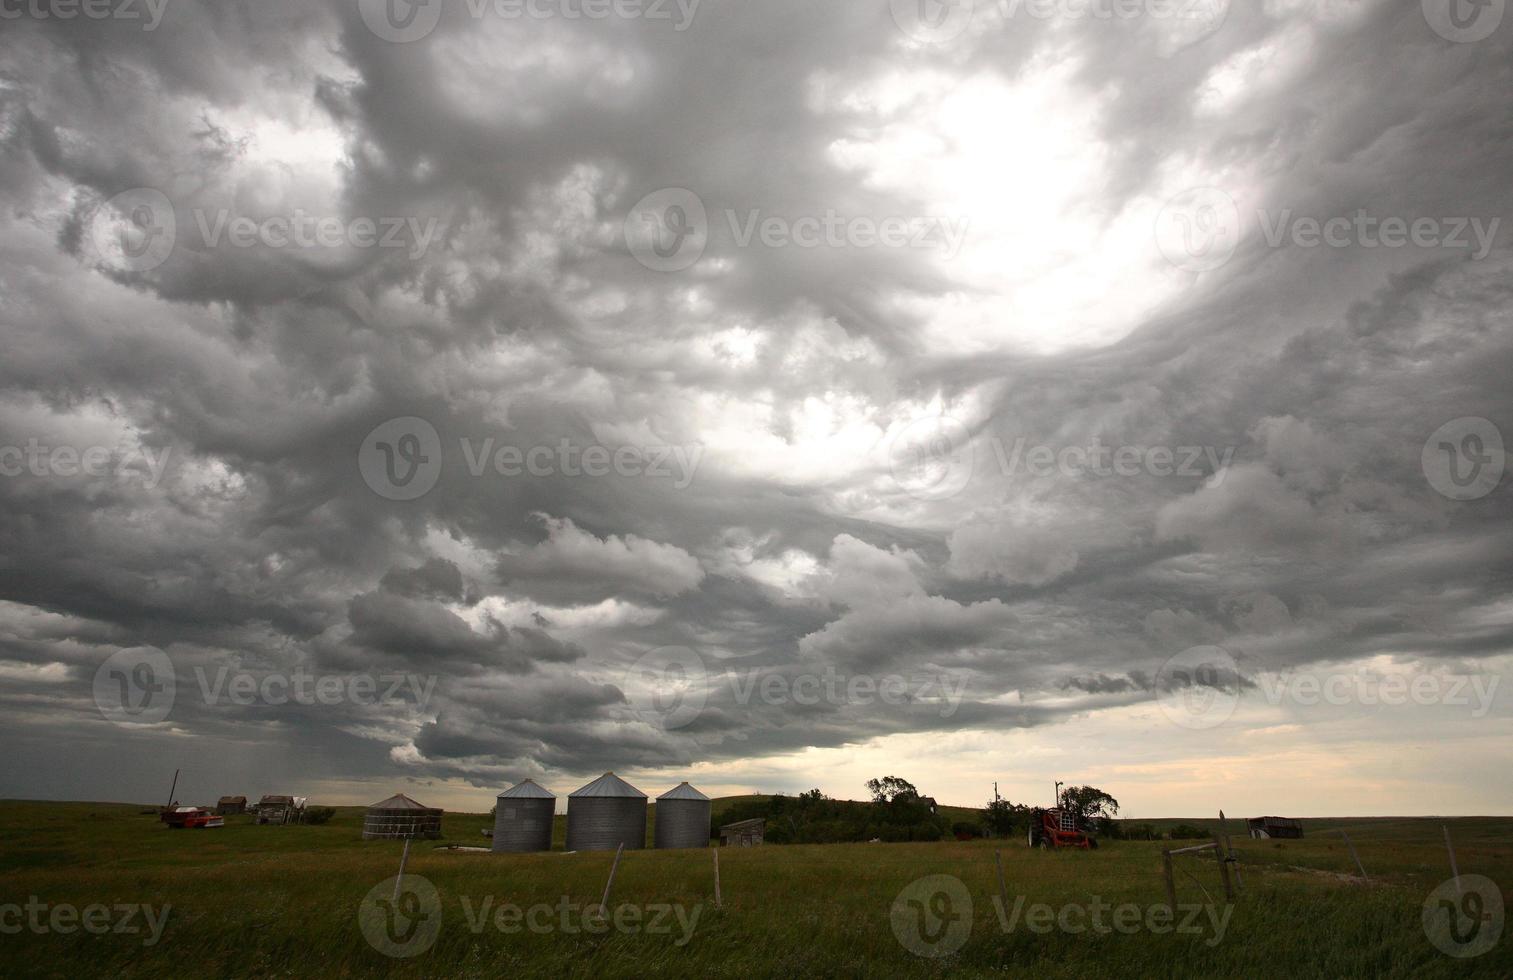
(520, 318)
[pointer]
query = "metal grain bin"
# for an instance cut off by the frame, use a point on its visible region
(401, 817)
(682, 818)
(523, 818)
(604, 814)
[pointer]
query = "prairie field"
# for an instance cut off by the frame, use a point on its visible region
(251, 901)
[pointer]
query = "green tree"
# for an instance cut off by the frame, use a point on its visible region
(1002, 817)
(1091, 805)
(891, 789)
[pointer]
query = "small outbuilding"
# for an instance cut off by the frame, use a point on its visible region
(399, 818)
(604, 814)
(744, 833)
(523, 818)
(1284, 828)
(230, 806)
(682, 818)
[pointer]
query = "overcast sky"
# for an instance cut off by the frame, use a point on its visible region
(769, 394)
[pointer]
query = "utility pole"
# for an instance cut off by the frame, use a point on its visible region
(1059, 784)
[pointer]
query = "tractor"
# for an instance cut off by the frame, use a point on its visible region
(1059, 827)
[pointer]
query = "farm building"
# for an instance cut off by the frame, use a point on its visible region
(604, 814)
(1281, 827)
(229, 806)
(401, 817)
(523, 818)
(278, 809)
(682, 818)
(743, 833)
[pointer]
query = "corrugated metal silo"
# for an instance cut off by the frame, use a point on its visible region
(682, 818)
(604, 814)
(399, 817)
(523, 818)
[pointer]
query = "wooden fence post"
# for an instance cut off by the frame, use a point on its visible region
(1171, 885)
(399, 878)
(716, 853)
(1003, 891)
(604, 902)
(1229, 893)
(1229, 849)
(1453, 869)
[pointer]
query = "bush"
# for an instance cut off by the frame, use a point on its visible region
(1184, 831)
(319, 814)
(966, 831)
(925, 832)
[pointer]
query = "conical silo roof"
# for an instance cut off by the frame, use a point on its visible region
(683, 791)
(527, 789)
(608, 785)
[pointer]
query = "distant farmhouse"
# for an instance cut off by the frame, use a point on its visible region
(1279, 827)
(229, 806)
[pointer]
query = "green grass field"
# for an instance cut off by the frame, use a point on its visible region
(249, 901)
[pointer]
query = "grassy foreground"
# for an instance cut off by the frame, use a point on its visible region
(264, 901)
